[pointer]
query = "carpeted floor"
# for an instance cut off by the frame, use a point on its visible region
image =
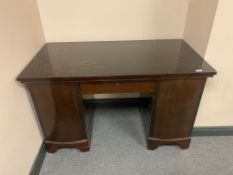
(118, 148)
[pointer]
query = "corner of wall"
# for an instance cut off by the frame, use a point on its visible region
(199, 23)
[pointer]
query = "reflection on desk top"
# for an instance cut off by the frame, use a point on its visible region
(116, 60)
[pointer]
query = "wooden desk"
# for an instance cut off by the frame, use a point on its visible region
(170, 70)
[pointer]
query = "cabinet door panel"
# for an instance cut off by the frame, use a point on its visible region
(175, 107)
(59, 109)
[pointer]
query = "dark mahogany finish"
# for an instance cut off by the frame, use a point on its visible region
(59, 108)
(170, 70)
(174, 109)
(115, 60)
(117, 87)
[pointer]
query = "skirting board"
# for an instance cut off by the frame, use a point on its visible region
(35, 170)
(133, 102)
(213, 131)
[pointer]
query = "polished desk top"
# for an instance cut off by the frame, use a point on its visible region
(115, 60)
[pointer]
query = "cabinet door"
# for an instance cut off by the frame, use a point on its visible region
(59, 109)
(175, 106)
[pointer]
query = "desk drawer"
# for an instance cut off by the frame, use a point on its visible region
(117, 87)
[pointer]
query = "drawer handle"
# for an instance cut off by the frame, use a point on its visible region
(117, 84)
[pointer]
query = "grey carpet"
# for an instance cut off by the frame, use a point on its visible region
(118, 148)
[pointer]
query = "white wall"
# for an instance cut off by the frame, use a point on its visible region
(21, 37)
(85, 20)
(208, 30)
(77, 20)
(217, 104)
(199, 23)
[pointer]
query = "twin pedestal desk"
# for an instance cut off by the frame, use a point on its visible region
(168, 71)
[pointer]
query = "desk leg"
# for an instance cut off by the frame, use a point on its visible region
(59, 109)
(174, 107)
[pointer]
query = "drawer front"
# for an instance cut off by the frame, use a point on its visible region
(117, 87)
